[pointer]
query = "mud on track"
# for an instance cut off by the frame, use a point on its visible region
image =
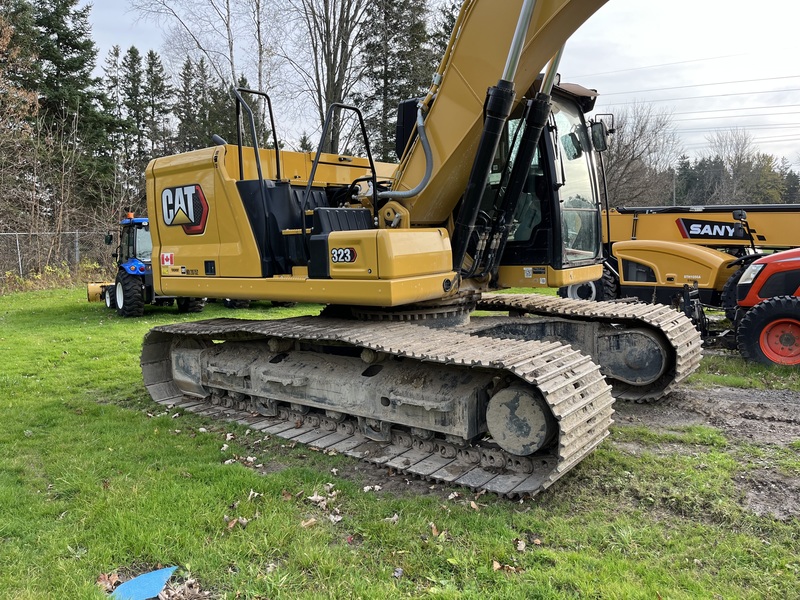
(767, 418)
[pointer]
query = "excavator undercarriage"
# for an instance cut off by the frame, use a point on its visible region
(491, 404)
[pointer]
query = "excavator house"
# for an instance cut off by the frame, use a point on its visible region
(493, 189)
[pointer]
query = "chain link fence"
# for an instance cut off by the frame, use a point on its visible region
(26, 254)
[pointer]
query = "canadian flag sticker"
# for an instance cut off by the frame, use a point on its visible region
(167, 259)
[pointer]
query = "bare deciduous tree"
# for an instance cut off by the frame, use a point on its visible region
(210, 27)
(322, 47)
(640, 158)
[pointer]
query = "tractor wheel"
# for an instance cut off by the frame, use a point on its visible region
(110, 297)
(129, 295)
(605, 288)
(728, 298)
(769, 333)
(231, 303)
(191, 305)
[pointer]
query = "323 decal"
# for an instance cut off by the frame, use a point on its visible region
(343, 255)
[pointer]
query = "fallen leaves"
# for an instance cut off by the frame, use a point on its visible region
(496, 566)
(108, 581)
(393, 519)
(322, 502)
(436, 533)
(237, 521)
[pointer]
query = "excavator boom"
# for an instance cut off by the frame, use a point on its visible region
(468, 69)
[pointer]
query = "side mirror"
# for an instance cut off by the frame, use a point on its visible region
(599, 136)
(109, 239)
(740, 214)
(738, 230)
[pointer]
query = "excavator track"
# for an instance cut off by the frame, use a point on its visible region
(679, 342)
(228, 368)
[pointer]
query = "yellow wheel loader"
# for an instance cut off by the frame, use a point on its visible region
(653, 252)
(493, 189)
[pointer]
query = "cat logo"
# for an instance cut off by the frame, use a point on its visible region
(185, 206)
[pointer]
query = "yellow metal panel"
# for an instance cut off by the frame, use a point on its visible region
(776, 229)
(227, 238)
(411, 252)
(677, 263)
(377, 292)
(546, 276)
(353, 254)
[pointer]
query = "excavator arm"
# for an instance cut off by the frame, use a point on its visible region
(454, 107)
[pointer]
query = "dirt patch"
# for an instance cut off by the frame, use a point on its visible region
(759, 417)
(771, 493)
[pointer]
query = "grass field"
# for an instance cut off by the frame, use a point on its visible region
(97, 479)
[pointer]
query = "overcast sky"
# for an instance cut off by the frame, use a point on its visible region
(710, 63)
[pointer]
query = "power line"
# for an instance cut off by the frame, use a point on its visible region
(736, 116)
(767, 127)
(599, 98)
(681, 87)
(682, 62)
(692, 112)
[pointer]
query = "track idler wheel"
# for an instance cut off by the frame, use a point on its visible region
(519, 420)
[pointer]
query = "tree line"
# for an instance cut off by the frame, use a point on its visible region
(646, 166)
(74, 145)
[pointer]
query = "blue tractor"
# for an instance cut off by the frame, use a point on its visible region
(133, 287)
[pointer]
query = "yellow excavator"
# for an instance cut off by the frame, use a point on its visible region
(493, 189)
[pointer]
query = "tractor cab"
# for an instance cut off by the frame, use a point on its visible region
(135, 245)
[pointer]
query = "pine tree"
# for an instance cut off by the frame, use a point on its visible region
(305, 143)
(158, 93)
(136, 151)
(442, 28)
(185, 109)
(397, 66)
(66, 54)
(134, 100)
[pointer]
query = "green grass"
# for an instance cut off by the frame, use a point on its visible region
(95, 478)
(733, 371)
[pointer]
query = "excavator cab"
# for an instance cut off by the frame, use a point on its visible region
(555, 234)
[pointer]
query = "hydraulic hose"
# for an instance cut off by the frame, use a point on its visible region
(426, 147)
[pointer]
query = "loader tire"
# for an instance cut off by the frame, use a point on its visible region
(728, 299)
(769, 333)
(191, 305)
(129, 295)
(605, 288)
